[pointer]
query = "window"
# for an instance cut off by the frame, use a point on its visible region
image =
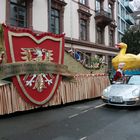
(119, 26)
(83, 2)
(111, 37)
(122, 12)
(120, 35)
(127, 26)
(84, 21)
(56, 17)
(110, 7)
(55, 21)
(19, 13)
(118, 8)
(83, 29)
(110, 62)
(122, 1)
(100, 35)
(98, 5)
(122, 26)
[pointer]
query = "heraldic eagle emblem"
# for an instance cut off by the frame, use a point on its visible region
(34, 62)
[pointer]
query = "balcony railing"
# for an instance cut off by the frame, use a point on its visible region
(129, 7)
(129, 19)
(103, 13)
(103, 17)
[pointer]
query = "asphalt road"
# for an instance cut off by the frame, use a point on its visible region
(87, 120)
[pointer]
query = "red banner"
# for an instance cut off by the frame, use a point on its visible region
(25, 46)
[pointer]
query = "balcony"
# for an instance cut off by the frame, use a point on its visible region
(103, 18)
(84, 10)
(129, 19)
(135, 27)
(129, 7)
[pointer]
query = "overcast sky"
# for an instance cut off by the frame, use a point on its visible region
(136, 4)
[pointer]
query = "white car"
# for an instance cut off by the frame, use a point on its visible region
(127, 94)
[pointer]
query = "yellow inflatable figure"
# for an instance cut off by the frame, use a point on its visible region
(130, 61)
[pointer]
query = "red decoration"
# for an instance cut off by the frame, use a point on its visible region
(17, 40)
(118, 75)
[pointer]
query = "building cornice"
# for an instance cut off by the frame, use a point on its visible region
(90, 44)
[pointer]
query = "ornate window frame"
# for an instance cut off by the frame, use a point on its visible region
(59, 5)
(100, 32)
(29, 13)
(111, 3)
(111, 41)
(84, 14)
(84, 2)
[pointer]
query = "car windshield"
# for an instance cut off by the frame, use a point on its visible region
(134, 80)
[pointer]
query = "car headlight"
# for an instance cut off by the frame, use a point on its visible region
(105, 92)
(135, 92)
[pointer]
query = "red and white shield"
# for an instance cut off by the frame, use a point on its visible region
(25, 46)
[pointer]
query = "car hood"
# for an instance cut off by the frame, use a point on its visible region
(121, 89)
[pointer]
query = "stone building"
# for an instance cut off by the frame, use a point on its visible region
(90, 26)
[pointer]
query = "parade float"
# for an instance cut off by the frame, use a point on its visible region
(130, 63)
(37, 71)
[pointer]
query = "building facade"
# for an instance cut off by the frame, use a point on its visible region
(125, 19)
(90, 27)
(136, 16)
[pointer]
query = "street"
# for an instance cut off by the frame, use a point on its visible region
(85, 120)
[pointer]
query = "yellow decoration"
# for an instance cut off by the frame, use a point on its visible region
(130, 61)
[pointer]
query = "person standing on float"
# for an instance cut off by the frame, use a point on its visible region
(119, 73)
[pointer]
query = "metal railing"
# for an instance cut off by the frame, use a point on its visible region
(103, 12)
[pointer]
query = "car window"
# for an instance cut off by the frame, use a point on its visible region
(134, 80)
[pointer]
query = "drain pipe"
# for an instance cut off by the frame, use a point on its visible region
(71, 22)
(49, 15)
